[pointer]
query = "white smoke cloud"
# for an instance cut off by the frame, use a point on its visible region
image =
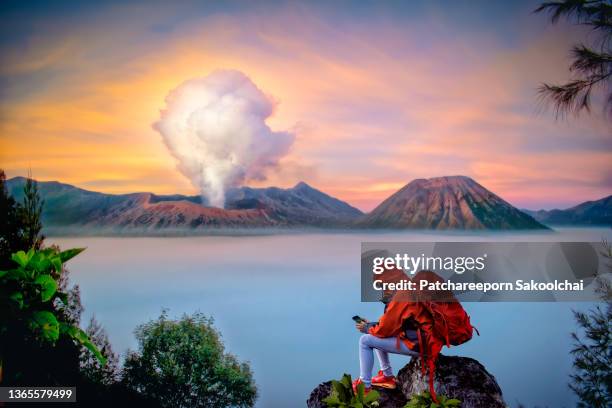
(216, 128)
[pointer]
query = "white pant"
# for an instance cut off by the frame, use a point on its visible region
(368, 344)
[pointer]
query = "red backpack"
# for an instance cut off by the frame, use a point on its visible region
(450, 325)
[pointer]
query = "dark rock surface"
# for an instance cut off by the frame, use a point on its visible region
(456, 377)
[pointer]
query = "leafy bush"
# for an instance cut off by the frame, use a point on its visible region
(30, 300)
(424, 400)
(182, 363)
(343, 396)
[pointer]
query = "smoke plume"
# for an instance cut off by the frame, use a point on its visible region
(216, 129)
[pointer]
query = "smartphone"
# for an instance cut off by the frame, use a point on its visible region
(358, 319)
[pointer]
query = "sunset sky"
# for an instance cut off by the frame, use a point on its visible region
(376, 94)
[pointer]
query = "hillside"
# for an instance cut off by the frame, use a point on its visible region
(592, 213)
(454, 202)
(70, 207)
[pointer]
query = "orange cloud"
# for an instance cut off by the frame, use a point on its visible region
(372, 108)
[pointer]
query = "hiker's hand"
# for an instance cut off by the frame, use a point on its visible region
(359, 326)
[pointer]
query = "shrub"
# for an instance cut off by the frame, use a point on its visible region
(343, 396)
(424, 400)
(31, 322)
(182, 363)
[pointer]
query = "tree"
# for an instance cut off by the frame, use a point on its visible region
(592, 377)
(9, 226)
(592, 64)
(30, 216)
(20, 223)
(182, 363)
(91, 368)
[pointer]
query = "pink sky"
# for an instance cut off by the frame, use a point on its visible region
(372, 106)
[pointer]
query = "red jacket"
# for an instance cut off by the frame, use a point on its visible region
(391, 322)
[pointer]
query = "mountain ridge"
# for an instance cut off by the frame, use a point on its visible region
(301, 205)
(449, 202)
(588, 213)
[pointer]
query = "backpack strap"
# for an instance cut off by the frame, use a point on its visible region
(421, 350)
(428, 362)
(470, 322)
(432, 373)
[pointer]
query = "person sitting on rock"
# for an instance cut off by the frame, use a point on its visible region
(389, 335)
(415, 323)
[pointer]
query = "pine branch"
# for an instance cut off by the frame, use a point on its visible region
(575, 95)
(592, 69)
(589, 62)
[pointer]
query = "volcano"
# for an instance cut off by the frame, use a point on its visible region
(69, 209)
(453, 202)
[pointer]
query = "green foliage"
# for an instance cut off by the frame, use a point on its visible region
(592, 351)
(30, 298)
(182, 363)
(424, 400)
(592, 64)
(48, 286)
(45, 324)
(343, 396)
(40, 342)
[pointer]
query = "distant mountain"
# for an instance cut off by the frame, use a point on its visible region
(301, 204)
(598, 212)
(455, 202)
(71, 208)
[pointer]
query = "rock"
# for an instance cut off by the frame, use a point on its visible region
(388, 398)
(318, 394)
(456, 377)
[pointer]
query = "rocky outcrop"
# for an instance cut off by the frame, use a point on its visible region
(456, 377)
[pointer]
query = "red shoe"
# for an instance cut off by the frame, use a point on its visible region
(358, 381)
(382, 381)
